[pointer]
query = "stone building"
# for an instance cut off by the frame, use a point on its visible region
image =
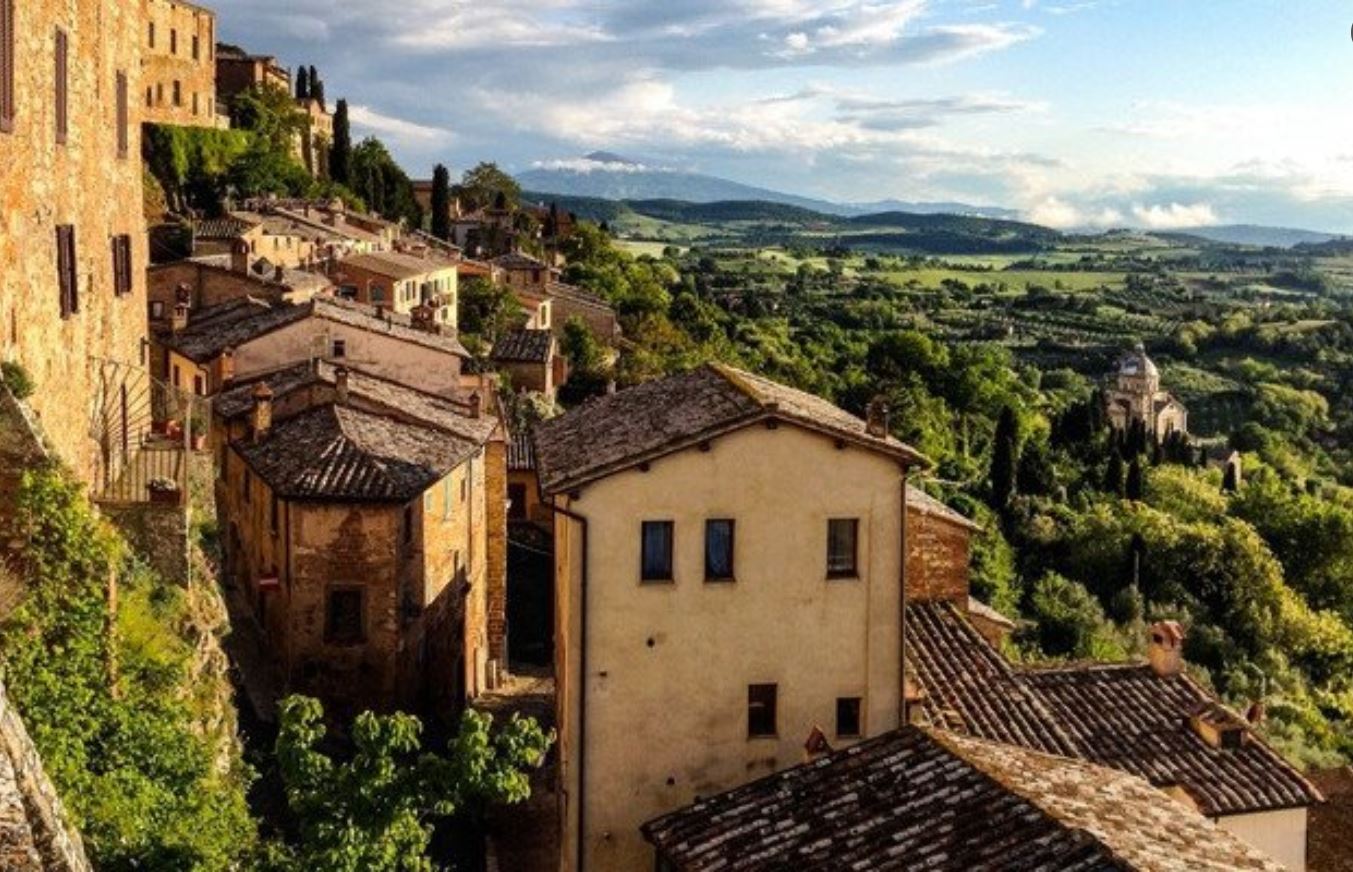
(237, 71)
(72, 251)
(315, 140)
(178, 77)
(423, 286)
(362, 522)
(1133, 396)
(692, 515)
(206, 283)
(530, 361)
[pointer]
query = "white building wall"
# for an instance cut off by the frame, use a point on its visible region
(1280, 834)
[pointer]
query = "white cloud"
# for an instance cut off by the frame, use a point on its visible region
(1175, 215)
(364, 117)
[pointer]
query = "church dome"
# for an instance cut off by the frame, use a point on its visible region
(1136, 363)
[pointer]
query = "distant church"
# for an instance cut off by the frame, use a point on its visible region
(1133, 394)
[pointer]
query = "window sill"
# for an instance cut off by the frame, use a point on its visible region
(722, 580)
(844, 576)
(657, 582)
(764, 737)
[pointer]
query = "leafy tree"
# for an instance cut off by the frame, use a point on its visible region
(486, 185)
(1133, 486)
(1036, 475)
(486, 309)
(382, 184)
(441, 202)
(1070, 622)
(340, 152)
(1113, 474)
(374, 811)
(269, 112)
(1004, 457)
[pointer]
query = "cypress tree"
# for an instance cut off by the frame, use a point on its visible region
(1003, 459)
(1135, 483)
(340, 154)
(1230, 479)
(441, 202)
(302, 83)
(1113, 475)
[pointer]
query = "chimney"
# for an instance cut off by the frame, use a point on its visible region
(876, 422)
(262, 413)
(279, 274)
(1165, 648)
(239, 256)
(227, 366)
(1219, 727)
(179, 320)
(816, 745)
(341, 384)
(475, 402)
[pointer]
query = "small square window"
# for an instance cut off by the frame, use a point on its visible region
(516, 496)
(848, 716)
(657, 551)
(719, 549)
(343, 616)
(157, 309)
(761, 705)
(842, 547)
(340, 348)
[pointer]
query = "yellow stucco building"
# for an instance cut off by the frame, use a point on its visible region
(728, 577)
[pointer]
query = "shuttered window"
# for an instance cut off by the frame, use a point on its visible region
(66, 272)
(122, 265)
(8, 41)
(123, 131)
(62, 86)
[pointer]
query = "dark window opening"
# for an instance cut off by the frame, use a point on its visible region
(62, 86)
(173, 41)
(8, 41)
(340, 348)
(67, 273)
(343, 616)
(122, 266)
(761, 705)
(516, 495)
(199, 386)
(123, 130)
(719, 550)
(848, 716)
(842, 546)
(657, 551)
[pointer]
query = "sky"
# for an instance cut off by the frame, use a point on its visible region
(1077, 113)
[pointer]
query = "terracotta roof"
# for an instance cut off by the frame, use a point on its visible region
(575, 294)
(518, 261)
(524, 346)
(341, 453)
(395, 264)
(370, 391)
(970, 688)
(986, 612)
(390, 323)
(1123, 715)
(221, 228)
(1127, 717)
(920, 799)
(618, 431)
(926, 504)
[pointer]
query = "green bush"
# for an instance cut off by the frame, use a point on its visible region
(17, 379)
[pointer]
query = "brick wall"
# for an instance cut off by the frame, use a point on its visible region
(937, 558)
(84, 183)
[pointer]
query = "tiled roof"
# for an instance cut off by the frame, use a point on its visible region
(524, 346)
(919, 799)
(212, 330)
(229, 227)
(395, 264)
(970, 688)
(575, 294)
(518, 261)
(1124, 716)
(341, 453)
(391, 323)
(1127, 717)
(926, 504)
(521, 456)
(389, 397)
(620, 430)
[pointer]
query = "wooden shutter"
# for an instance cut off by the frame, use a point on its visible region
(66, 271)
(62, 86)
(123, 133)
(122, 265)
(8, 42)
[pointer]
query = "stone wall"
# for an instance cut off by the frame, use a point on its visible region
(183, 53)
(157, 532)
(84, 183)
(495, 495)
(937, 558)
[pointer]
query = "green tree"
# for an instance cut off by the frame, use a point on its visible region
(269, 112)
(1004, 457)
(1070, 621)
(486, 309)
(340, 152)
(1113, 474)
(302, 83)
(441, 202)
(374, 810)
(1133, 486)
(383, 184)
(486, 185)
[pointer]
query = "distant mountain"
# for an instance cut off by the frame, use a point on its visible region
(1253, 234)
(610, 176)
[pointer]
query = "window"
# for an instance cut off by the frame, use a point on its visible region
(719, 550)
(67, 273)
(62, 86)
(446, 498)
(123, 130)
(516, 496)
(151, 34)
(657, 551)
(199, 386)
(159, 93)
(761, 710)
(8, 41)
(122, 266)
(197, 48)
(178, 93)
(842, 535)
(408, 524)
(848, 716)
(157, 309)
(343, 616)
(173, 41)
(340, 348)
(196, 103)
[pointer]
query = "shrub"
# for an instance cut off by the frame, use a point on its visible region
(17, 379)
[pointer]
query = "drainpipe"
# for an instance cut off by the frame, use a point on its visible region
(902, 608)
(582, 683)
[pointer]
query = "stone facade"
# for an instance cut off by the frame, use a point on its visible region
(178, 78)
(1134, 396)
(237, 70)
(80, 360)
(495, 483)
(209, 285)
(937, 557)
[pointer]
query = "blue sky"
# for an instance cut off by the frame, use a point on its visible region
(1156, 113)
